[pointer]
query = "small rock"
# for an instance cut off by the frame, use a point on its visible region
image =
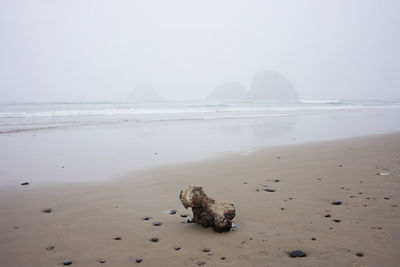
(336, 220)
(50, 248)
(387, 198)
(297, 253)
(25, 183)
(244, 182)
(146, 218)
(313, 238)
(257, 189)
(222, 258)
(282, 208)
(67, 262)
(382, 173)
(47, 210)
(157, 224)
(327, 216)
(138, 260)
(62, 167)
(16, 227)
(360, 254)
(171, 212)
(337, 203)
(340, 165)
(177, 248)
(201, 263)
(184, 215)
(191, 221)
(154, 239)
(102, 261)
(269, 190)
(117, 238)
(205, 250)
(276, 181)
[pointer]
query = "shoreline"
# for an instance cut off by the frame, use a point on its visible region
(87, 216)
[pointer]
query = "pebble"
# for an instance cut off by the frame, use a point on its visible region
(244, 182)
(336, 220)
(276, 181)
(50, 248)
(340, 165)
(67, 262)
(154, 239)
(117, 238)
(201, 263)
(269, 190)
(157, 224)
(337, 203)
(138, 260)
(46, 210)
(360, 254)
(387, 198)
(190, 221)
(171, 212)
(146, 218)
(177, 248)
(327, 216)
(102, 261)
(25, 183)
(297, 253)
(222, 258)
(257, 189)
(313, 238)
(282, 208)
(184, 215)
(205, 250)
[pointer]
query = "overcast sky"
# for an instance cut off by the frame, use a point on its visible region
(80, 50)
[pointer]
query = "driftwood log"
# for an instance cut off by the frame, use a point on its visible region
(206, 211)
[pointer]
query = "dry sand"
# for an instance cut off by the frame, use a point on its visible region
(86, 217)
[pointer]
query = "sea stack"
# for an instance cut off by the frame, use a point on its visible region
(144, 93)
(271, 85)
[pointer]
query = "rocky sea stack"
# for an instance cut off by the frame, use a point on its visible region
(271, 85)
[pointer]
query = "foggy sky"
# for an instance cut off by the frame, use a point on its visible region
(80, 50)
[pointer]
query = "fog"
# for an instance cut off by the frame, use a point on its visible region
(96, 50)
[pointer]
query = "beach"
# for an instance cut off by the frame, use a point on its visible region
(99, 221)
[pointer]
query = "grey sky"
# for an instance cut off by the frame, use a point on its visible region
(79, 50)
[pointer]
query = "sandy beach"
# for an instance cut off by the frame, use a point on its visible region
(87, 218)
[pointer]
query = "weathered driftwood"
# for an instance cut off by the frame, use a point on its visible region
(206, 211)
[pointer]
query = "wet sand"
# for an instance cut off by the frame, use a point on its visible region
(86, 218)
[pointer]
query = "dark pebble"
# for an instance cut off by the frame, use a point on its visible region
(16, 227)
(297, 253)
(337, 203)
(46, 210)
(269, 190)
(117, 238)
(276, 180)
(157, 224)
(244, 182)
(184, 215)
(205, 250)
(50, 248)
(62, 167)
(340, 165)
(138, 260)
(154, 239)
(282, 209)
(352, 196)
(387, 198)
(313, 238)
(190, 221)
(25, 183)
(172, 212)
(360, 193)
(278, 157)
(222, 258)
(177, 248)
(336, 220)
(102, 261)
(146, 218)
(257, 189)
(67, 262)
(360, 254)
(327, 216)
(201, 263)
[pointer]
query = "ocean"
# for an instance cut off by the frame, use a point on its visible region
(17, 117)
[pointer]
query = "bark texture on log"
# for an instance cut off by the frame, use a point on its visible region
(206, 211)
